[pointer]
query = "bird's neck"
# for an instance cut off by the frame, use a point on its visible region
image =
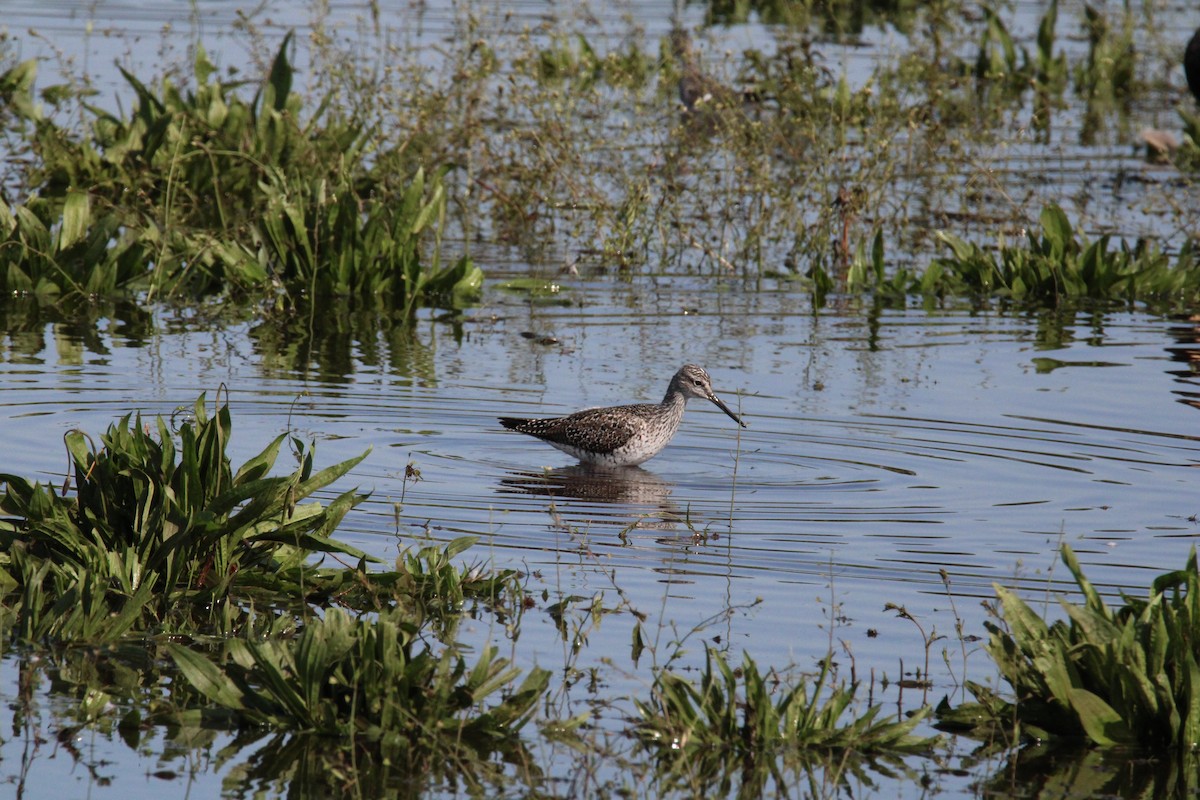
(674, 398)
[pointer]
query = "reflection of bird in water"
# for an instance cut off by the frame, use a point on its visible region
(625, 488)
(1187, 352)
(1191, 64)
(624, 435)
(629, 486)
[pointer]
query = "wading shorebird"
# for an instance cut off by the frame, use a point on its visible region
(622, 436)
(698, 89)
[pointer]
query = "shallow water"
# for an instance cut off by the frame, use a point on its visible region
(884, 445)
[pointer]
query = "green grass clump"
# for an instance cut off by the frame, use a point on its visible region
(366, 677)
(330, 241)
(165, 581)
(1109, 676)
(1056, 267)
(49, 248)
(732, 722)
(1060, 265)
(153, 532)
(206, 190)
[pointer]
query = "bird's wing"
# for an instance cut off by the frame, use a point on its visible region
(600, 430)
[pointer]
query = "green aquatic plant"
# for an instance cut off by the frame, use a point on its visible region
(368, 688)
(213, 183)
(1049, 74)
(569, 58)
(734, 721)
(868, 272)
(1051, 70)
(325, 239)
(192, 158)
(216, 183)
(206, 190)
(1001, 61)
(835, 17)
(367, 677)
(160, 551)
(430, 585)
(48, 249)
(1060, 264)
(1119, 676)
(1109, 70)
(151, 524)
(1107, 79)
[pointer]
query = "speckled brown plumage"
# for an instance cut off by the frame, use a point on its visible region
(696, 87)
(623, 435)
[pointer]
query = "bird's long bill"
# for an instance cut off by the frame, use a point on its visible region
(721, 405)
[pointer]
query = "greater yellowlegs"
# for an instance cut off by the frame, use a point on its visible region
(696, 87)
(623, 435)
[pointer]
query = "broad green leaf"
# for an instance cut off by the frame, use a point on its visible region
(258, 466)
(1027, 627)
(459, 545)
(76, 219)
(1057, 228)
(206, 677)
(280, 78)
(1102, 724)
(329, 475)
